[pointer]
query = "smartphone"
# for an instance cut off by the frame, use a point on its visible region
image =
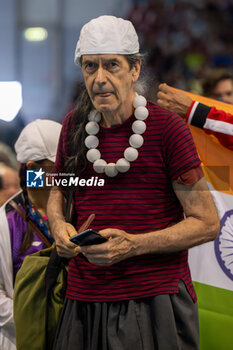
(88, 237)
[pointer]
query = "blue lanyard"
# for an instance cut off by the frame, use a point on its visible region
(40, 222)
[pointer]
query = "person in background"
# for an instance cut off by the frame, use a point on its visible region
(9, 182)
(36, 150)
(134, 291)
(213, 121)
(7, 156)
(218, 84)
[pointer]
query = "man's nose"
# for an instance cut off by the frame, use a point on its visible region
(100, 75)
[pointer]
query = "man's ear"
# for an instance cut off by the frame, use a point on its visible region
(31, 165)
(136, 71)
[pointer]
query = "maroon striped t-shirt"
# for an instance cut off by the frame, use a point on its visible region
(138, 201)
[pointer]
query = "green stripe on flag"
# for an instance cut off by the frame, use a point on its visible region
(215, 307)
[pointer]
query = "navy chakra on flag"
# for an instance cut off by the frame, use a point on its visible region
(223, 245)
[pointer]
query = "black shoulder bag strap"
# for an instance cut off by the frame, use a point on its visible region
(54, 266)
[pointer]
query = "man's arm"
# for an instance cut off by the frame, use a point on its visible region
(201, 225)
(60, 229)
(175, 101)
(210, 119)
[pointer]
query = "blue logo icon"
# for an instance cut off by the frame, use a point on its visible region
(35, 178)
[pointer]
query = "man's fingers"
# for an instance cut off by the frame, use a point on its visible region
(71, 230)
(161, 103)
(110, 233)
(66, 255)
(163, 87)
(161, 95)
(162, 99)
(65, 247)
(68, 251)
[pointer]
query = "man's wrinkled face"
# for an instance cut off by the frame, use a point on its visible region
(224, 91)
(109, 80)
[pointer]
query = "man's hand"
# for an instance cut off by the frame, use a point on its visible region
(175, 101)
(61, 230)
(120, 246)
(62, 233)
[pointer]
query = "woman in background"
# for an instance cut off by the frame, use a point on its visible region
(36, 151)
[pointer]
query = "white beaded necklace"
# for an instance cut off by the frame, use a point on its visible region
(130, 154)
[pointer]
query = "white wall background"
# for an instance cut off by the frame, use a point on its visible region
(46, 69)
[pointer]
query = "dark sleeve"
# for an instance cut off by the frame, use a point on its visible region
(199, 116)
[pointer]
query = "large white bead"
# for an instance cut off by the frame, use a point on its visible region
(136, 140)
(92, 128)
(141, 113)
(139, 101)
(93, 154)
(99, 166)
(97, 117)
(111, 170)
(91, 141)
(130, 154)
(122, 165)
(139, 127)
(94, 116)
(91, 116)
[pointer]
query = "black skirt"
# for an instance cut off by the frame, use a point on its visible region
(164, 322)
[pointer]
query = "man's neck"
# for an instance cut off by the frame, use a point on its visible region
(112, 118)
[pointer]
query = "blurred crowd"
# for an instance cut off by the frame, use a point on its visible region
(184, 39)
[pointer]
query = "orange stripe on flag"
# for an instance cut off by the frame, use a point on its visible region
(228, 108)
(217, 160)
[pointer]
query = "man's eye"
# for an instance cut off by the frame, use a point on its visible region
(89, 65)
(112, 64)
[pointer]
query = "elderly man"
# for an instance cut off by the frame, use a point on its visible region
(134, 291)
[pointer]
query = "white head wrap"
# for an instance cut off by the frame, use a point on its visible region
(38, 140)
(107, 35)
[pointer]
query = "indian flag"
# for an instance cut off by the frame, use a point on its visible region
(212, 263)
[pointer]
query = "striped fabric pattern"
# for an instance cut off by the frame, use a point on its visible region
(139, 201)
